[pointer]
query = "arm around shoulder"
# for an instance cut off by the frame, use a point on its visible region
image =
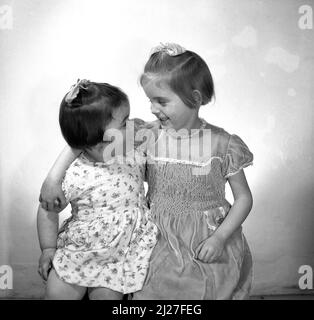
(51, 194)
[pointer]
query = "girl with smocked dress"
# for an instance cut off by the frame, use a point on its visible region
(201, 252)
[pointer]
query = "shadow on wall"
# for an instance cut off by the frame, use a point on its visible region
(283, 241)
(24, 249)
(24, 186)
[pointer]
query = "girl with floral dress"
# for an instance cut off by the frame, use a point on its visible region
(104, 247)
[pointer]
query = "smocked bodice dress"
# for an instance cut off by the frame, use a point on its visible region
(187, 200)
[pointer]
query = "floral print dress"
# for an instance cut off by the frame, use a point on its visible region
(108, 240)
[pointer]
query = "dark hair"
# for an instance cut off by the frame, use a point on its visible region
(184, 73)
(83, 120)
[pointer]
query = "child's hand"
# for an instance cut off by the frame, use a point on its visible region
(210, 249)
(52, 196)
(140, 124)
(45, 262)
(152, 125)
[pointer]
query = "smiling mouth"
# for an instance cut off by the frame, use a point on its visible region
(163, 119)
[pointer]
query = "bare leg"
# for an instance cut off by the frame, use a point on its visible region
(59, 290)
(100, 293)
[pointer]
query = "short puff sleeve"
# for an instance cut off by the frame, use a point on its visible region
(238, 156)
(72, 182)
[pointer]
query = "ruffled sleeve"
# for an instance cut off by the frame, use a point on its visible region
(238, 156)
(71, 184)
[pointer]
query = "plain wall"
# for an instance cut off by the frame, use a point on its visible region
(262, 63)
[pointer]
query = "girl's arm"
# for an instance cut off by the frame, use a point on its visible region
(240, 209)
(211, 249)
(47, 228)
(51, 194)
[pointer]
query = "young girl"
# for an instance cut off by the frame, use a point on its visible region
(106, 244)
(201, 252)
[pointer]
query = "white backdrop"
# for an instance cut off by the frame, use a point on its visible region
(262, 63)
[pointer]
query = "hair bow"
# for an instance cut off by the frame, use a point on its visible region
(172, 49)
(75, 89)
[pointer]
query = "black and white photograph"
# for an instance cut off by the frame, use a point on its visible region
(156, 150)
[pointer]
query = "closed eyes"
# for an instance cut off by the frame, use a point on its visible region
(159, 101)
(162, 102)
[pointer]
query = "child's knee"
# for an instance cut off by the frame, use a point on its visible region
(57, 289)
(52, 293)
(104, 294)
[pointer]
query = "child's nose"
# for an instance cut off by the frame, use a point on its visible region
(153, 108)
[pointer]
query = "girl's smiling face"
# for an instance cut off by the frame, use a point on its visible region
(167, 106)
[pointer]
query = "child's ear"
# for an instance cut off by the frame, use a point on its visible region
(197, 97)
